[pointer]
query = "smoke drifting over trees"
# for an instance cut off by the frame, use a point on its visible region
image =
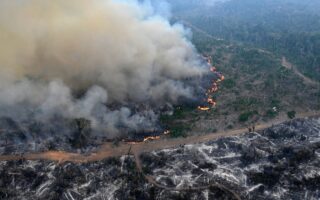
(112, 52)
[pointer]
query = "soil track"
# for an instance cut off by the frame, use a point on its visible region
(108, 150)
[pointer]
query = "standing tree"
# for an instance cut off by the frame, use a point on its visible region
(291, 114)
(82, 130)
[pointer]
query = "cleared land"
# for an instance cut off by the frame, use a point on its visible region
(109, 150)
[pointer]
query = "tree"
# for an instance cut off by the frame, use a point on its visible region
(81, 132)
(291, 114)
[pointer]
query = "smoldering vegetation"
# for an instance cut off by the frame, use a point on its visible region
(115, 178)
(115, 63)
(280, 162)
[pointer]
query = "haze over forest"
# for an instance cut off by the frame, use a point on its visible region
(160, 99)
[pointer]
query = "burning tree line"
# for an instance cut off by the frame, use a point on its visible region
(214, 87)
(210, 102)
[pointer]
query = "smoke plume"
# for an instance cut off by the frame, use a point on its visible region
(80, 58)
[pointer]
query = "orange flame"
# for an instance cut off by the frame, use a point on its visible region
(213, 69)
(203, 108)
(158, 137)
(151, 138)
(214, 87)
(211, 102)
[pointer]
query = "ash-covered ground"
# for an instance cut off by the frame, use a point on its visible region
(48, 180)
(115, 178)
(281, 162)
(36, 136)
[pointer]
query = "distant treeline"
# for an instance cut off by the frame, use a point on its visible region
(286, 27)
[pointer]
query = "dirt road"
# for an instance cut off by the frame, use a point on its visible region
(108, 150)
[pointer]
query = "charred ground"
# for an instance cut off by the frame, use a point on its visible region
(275, 163)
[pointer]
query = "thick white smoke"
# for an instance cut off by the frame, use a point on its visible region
(114, 52)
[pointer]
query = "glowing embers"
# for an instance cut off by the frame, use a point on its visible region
(147, 138)
(221, 78)
(212, 102)
(203, 108)
(214, 87)
(151, 138)
(212, 68)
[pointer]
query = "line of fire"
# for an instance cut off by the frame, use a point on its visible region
(209, 103)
